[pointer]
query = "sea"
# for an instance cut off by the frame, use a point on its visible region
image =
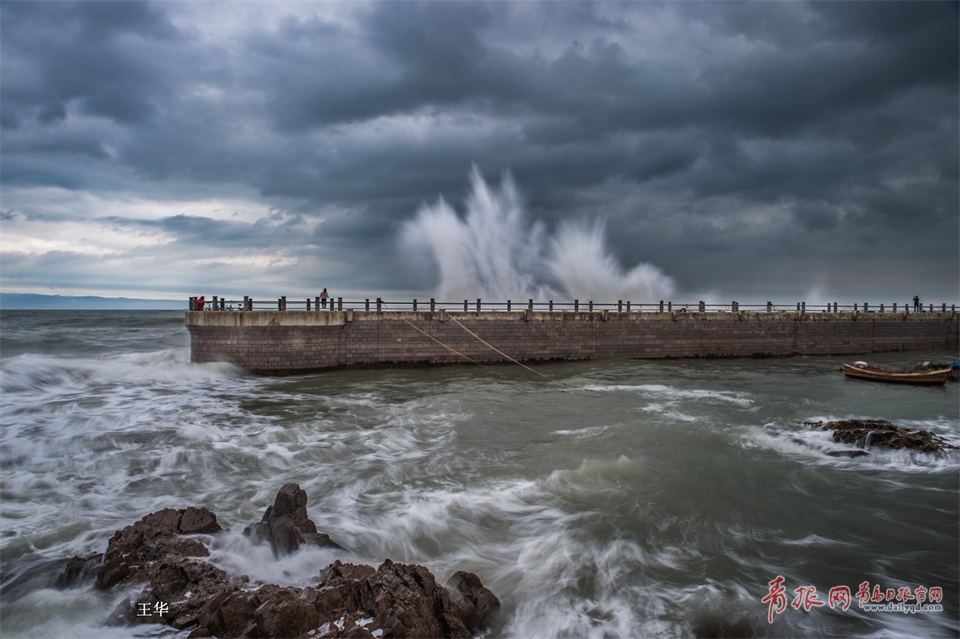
(599, 499)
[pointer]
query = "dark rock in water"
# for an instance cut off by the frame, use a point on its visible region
(135, 548)
(33, 572)
(183, 591)
(286, 525)
(718, 626)
(847, 453)
(405, 601)
(78, 570)
(883, 434)
(832, 453)
(153, 551)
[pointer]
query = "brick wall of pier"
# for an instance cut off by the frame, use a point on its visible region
(290, 342)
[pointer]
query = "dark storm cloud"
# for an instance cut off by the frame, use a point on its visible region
(803, 131)
(278, 228)
(100, 55)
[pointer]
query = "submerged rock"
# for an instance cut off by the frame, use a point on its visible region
(847, 453)
(182, 590)
(32, 572)
(882, 434)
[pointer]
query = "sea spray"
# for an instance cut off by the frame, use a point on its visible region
(494, 253)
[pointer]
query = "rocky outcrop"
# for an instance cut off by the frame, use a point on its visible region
(882, 434)
(136, 548)
(405, 601)
(180, 589)
(286, 525)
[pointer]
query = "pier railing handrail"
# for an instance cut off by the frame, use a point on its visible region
(478, 305)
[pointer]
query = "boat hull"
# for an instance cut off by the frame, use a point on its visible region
(932, 377)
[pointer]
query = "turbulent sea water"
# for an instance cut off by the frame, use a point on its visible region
(596, 499)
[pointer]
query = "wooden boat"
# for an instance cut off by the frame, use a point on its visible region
(861, 370)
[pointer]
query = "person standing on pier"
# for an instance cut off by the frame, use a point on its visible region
(916, 303)
(324, 297)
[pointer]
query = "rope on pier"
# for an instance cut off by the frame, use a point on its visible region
(449, 348)
(488, 344)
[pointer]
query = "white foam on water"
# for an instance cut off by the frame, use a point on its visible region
(73, 613)
(665, 392)
(815, 445)
(664, 410)
(584, 433)
(237, 555)
(48, 374)
(526, 544)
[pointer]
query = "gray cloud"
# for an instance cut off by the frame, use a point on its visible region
(739, 146)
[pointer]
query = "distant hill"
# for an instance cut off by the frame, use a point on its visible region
(32, 301)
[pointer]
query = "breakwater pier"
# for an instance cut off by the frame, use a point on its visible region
(282, 338)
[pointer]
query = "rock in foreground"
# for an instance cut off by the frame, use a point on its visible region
(180, 589)
(286, 525)
(882, 434)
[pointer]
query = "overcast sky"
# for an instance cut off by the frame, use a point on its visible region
(749, 151)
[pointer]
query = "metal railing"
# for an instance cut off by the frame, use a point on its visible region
(477, 305)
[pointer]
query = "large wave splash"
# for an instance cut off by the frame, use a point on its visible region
(492, 252)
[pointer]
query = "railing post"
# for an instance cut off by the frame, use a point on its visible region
(661, 306)
(894, 307)
(769, 307)
(702, 307)
(628, 306)
(478, 304)
(414, 305)
(881, 308)
(576, 306)
(619, 306)
(508, 306)
(368, 304)
(943, 310)
(308, 303)
(856, 308)
(865, 307)
(316, 303)
(379, 305)
(530, 304)
(216, 305)
(590, 306)
(339, 303)
(433, 305)
(551, 306)
(669, 307)
(464, 306)
(803, 307)
(192, 303)
(733, 306)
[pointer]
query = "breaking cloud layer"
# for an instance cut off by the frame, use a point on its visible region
(749, 150)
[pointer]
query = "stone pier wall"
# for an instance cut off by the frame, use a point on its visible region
(291, 342)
